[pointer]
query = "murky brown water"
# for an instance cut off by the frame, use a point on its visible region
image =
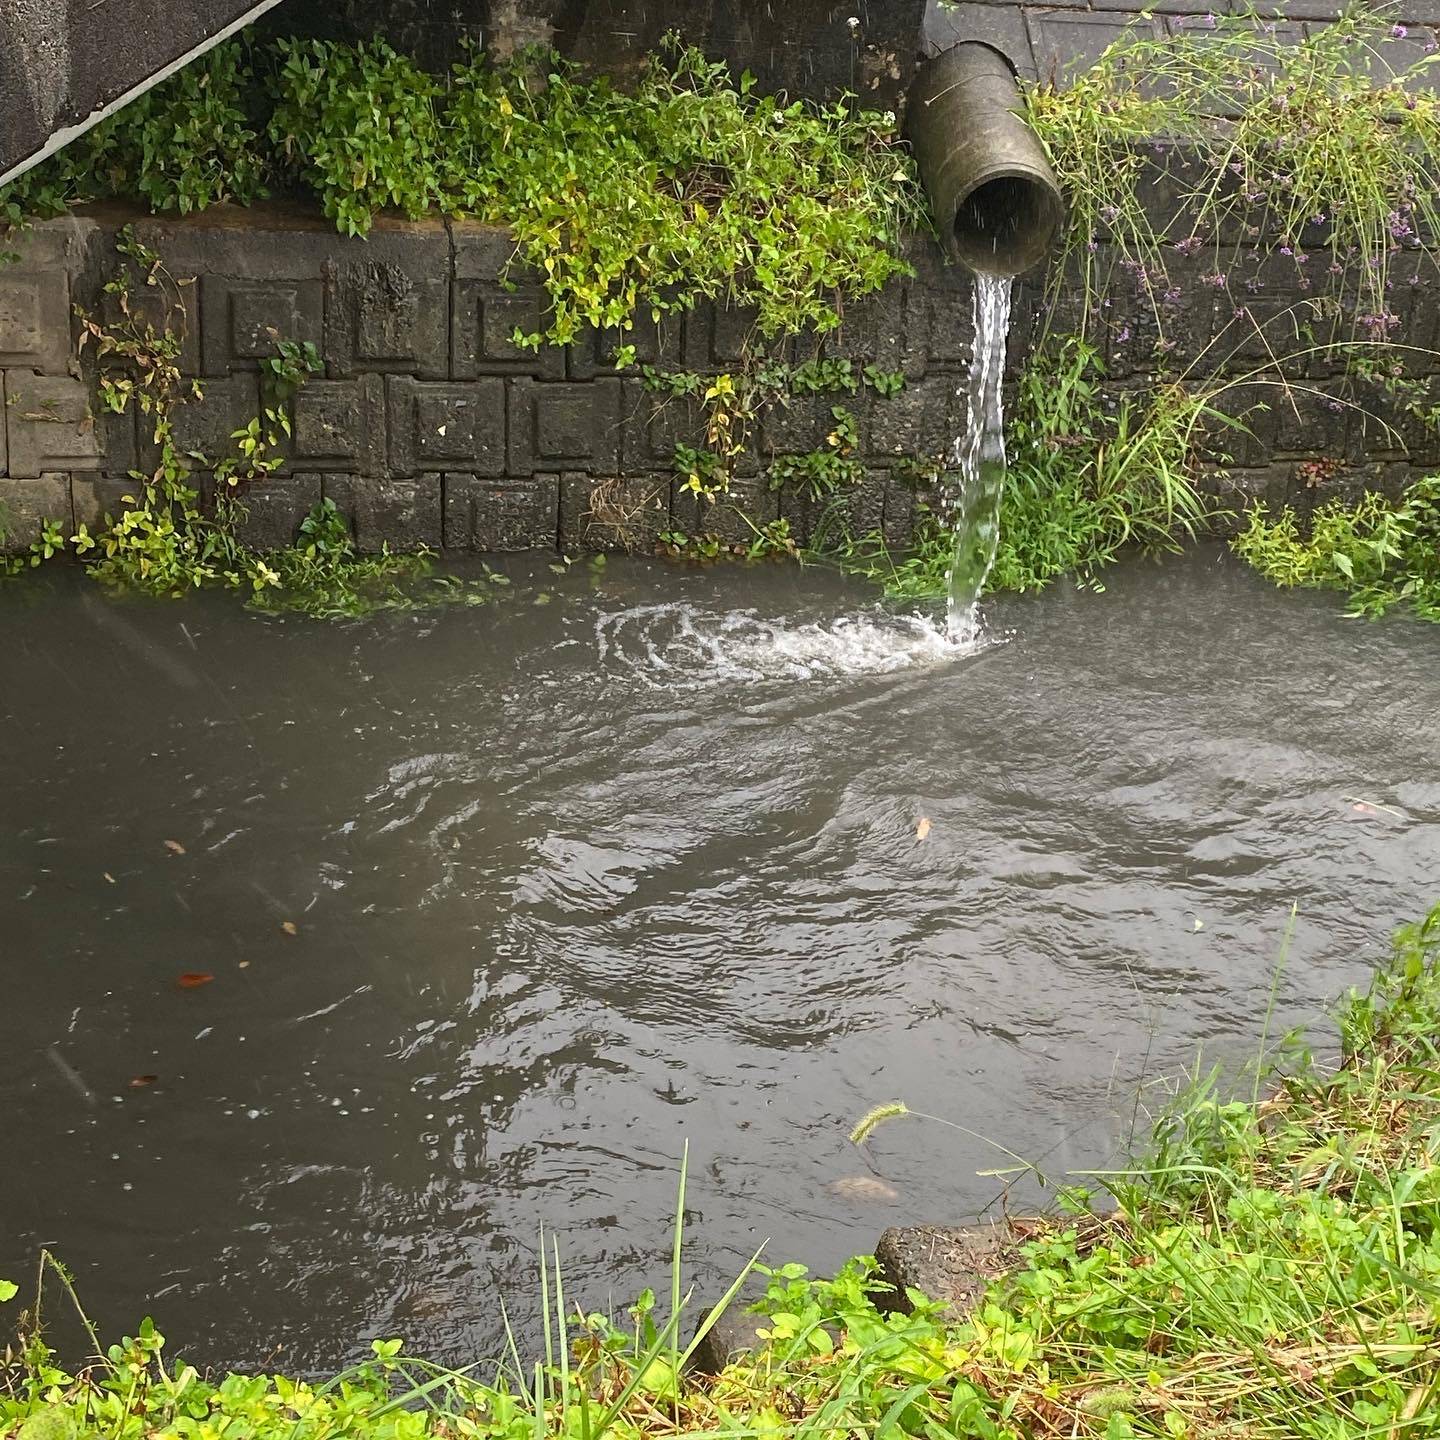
(565, 898)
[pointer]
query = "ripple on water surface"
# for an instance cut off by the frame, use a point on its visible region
(573, 883)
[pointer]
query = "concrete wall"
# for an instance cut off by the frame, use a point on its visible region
(429, 426)
(818, 48)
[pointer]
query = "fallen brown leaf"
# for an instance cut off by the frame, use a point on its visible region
(922, 829)
(139, 1082)
(108, 876)
(289, 927)
(192, 979)
(175, 847)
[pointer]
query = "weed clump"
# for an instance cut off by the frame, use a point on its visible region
(1384, 553)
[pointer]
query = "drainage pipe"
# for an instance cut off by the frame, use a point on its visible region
(997, 203)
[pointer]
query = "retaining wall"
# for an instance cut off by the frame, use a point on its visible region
(428, 426)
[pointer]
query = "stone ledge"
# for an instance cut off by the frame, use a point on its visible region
(949, 1263)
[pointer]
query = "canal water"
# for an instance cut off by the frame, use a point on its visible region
(339, 958)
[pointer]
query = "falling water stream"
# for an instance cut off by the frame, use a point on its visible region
(978, 463)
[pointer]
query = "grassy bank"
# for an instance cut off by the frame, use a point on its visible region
(1272, 1270)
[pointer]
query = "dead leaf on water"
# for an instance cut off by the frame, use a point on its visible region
(139, 1082)
(289, 927)
(1360, 806)
(922, 829)
(108, 876)
(244, 964)
(193, 979)
(174, 847)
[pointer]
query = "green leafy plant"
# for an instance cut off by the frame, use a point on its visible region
(819, 474)
(361, 125)
(689, 187)
(1385, 553)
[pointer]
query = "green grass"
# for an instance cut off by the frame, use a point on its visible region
(1090, 479)
(1271, 1269)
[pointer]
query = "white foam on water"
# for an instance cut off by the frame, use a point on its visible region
(680, 645)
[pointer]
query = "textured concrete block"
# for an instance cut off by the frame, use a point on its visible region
(889, 329)
(93, 497)
(491, 298)
(485, 319)
(26, 504)
(1238, 490)
(1151, 322)
(726, 517)
(244, 320)
(204, 427)
(35, 319)
(49, 424)
(718, 339)
(1249, 440)
(340, 425)
(652, 425)
(1381, 427)
(856, 509)
(904, 505)
(921, 421)
(274, 508)
(656, 343)
(803, 422)
(405, 514)
(500, 515)
(389, 310)
(1311, 421)
(943, 304)
(1067, 42)
(564, 425)
(454, 426)
(948, 23)
(611, 512)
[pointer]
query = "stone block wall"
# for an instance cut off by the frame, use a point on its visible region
(430, 426)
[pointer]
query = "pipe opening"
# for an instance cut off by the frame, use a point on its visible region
(1005, 225)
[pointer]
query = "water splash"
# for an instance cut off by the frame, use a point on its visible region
(972, 508)
(681, 645)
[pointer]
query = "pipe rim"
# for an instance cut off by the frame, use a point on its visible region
(1033, 241)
